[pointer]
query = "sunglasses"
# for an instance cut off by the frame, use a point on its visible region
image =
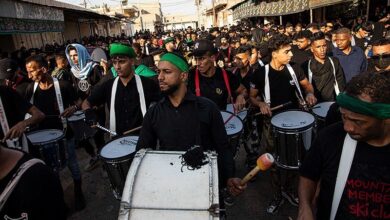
(380, 56)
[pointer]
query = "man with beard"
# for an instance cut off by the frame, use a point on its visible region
(213, 82)
(324, 73)
(302, 51)
(182, 120)
(225, 57)
(351, 158)
(128, 96)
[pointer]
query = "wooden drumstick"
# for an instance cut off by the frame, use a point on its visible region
(264, 162)
(132, 130)
(276, 107)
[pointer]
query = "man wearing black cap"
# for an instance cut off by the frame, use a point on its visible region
(10, 78)
(213, 82)
(132, 94)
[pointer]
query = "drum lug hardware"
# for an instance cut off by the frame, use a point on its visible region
(215, 210)
(125, 207)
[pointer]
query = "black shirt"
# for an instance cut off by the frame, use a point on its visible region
(300, 56)
(282, 90)
(214, 87)
(37, 196)
(245, 80)
(93, 78)
(46, 101)
(196, 121)
(15, 107)
(366, 194)
(323, 78)
(127, 105)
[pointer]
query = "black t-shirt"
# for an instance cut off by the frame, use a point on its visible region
(37, 196)
(127, 105)
(282, 89)
(366, 194)
(92, 79)
(214, 87)
(323, 78)
(245, 80)
(46, 101)
(15, 107)
(300, 56)
(360, 42)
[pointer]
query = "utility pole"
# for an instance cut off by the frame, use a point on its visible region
(140, 16)
(197, 2)
(214, 20)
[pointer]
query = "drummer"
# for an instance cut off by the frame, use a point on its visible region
(209, 81)
(181, 120)
(325, 73)
(132, 93)
(43, 94)
(13, 107)
(282, 89)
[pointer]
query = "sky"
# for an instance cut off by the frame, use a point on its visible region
(167, 6)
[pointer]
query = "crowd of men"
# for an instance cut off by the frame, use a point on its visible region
(174, 84)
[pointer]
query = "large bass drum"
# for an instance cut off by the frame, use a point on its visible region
(158, 187)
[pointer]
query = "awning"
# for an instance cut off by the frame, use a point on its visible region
(249, 9)
(323, 3)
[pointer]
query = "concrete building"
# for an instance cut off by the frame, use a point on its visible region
(179, 21)
(34, 23)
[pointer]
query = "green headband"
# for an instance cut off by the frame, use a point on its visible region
(376, 110)
(120, 49)
(176, 61)
(145, 71)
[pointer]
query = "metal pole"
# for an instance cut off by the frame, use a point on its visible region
(368, 9)
(214, 20)
(280, 20)
(311, 15)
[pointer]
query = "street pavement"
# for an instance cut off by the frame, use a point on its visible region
(101, 204)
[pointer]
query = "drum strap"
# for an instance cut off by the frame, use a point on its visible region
(5, 127)
(141, 94)
(15, 179)
(59, 99)
(225, 79)
(261, 62)
(346, 159)
(267, 93)
(336, 85)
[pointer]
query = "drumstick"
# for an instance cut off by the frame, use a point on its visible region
(230, 117)
(132, 130)
(264, 162)
(113, 133)
(276, 107)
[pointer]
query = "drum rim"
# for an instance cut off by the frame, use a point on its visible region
(319, 116)
(294, 129)
(45, 142)
(117, 159)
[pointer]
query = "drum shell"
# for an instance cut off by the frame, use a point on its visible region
(52, 152)
(233, 137)
(320, 114)
(157, 189)
(117, 169)
(291, 144)
(81, 130)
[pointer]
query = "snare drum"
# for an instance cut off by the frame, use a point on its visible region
(80, 129)
(158, 188)
(293, 135)
(234, 128)
(242, 114)
(117, 156)
(51, 147)
(320, 111)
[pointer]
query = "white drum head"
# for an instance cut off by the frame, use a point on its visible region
(321, 109)
(119, 147)
(242, 114)
(291, 120)
(45, 136)
(234, 125)
(77, 116)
